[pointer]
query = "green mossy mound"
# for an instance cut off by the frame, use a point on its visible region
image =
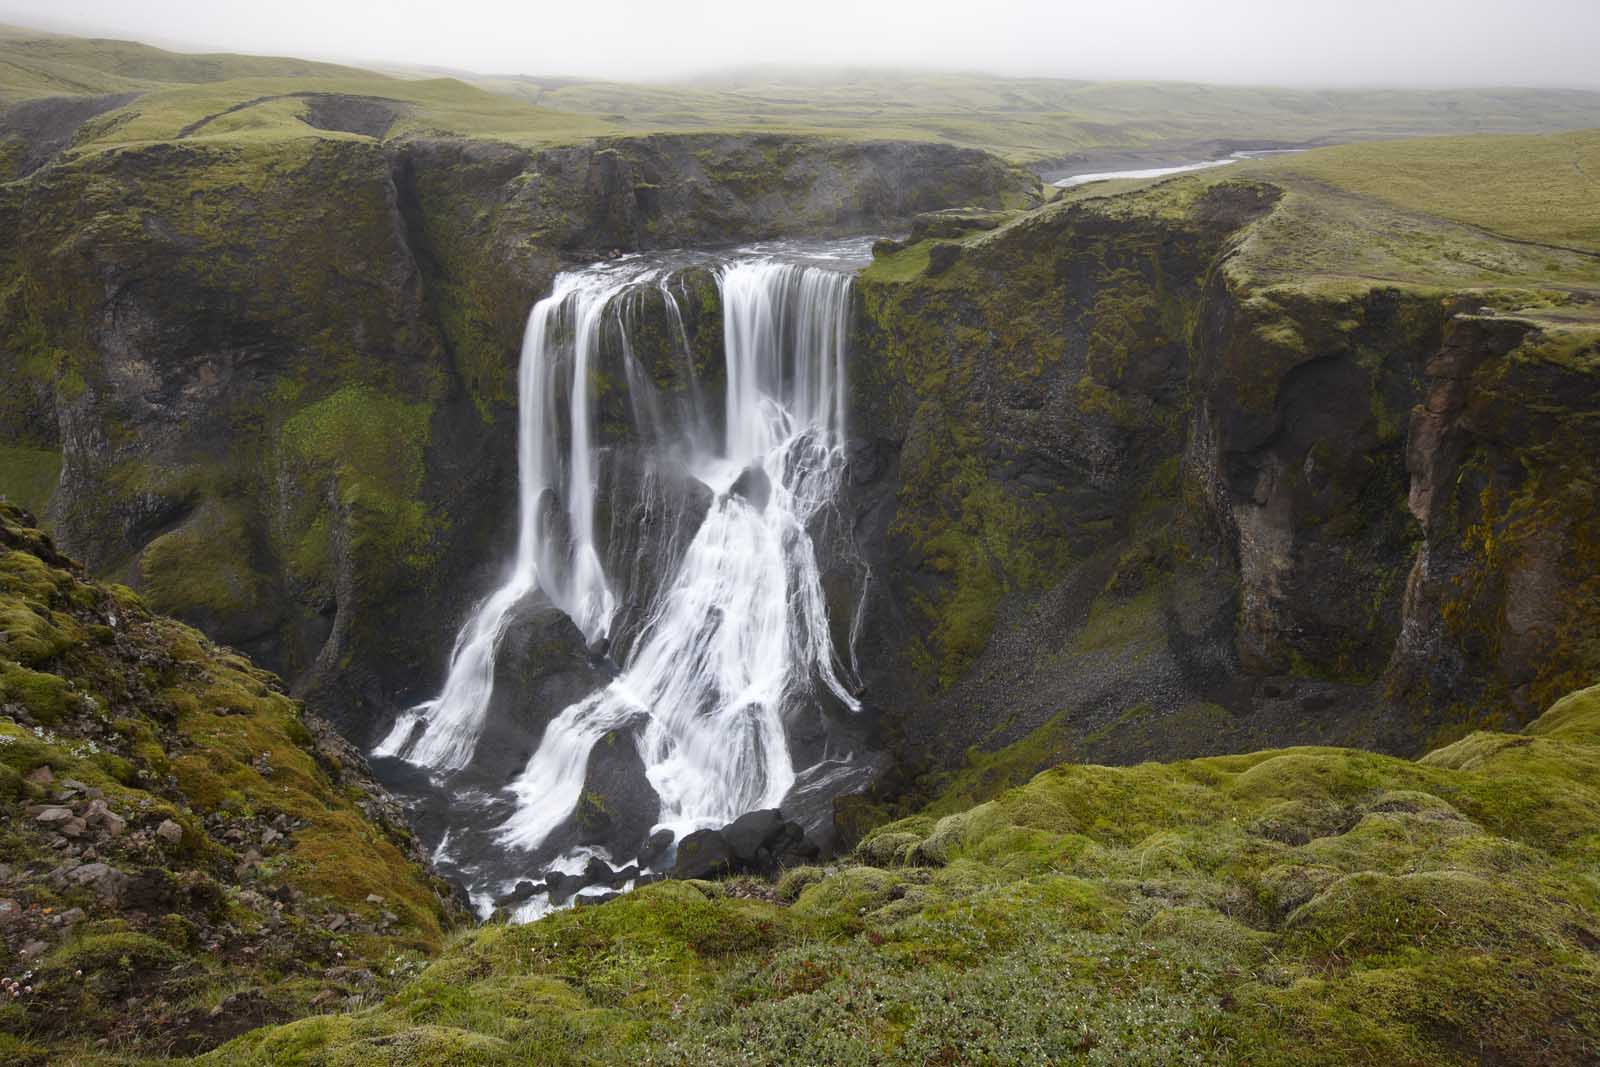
(173, 833)
(1303, 906)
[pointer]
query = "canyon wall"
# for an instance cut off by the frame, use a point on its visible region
(1123, 493)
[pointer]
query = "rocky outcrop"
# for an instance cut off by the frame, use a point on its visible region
(1499, 615)
(278, 381)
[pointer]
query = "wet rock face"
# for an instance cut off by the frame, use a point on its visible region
(1019, 411)
(544, 666)
(618, 806)
(753, 487)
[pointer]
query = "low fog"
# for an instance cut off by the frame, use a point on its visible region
(1283, 42)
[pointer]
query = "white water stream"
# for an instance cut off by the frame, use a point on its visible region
(738, 639)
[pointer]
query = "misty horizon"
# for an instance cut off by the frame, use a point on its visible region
(1361, 44)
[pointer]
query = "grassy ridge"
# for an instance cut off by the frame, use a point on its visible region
(214, 803)
(1034, 119)
(33, 64)
(261, 109)
(1542, 188)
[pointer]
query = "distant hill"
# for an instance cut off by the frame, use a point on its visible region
(33, 64)
(1045, 120)
(1053, 124)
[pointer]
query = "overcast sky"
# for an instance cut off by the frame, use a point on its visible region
(1288, 42)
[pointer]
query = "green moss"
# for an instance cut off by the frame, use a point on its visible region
(47, 697)
(371, 446)
(204, 567)
(165, 726)
(1310, 906)
(119, 950)
(28, 475)
(900, 266)
(1575, 718)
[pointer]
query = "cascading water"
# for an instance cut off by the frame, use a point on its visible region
(557, 349)
(741, 632)
(733, 645)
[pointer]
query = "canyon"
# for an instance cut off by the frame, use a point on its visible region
(763, 570)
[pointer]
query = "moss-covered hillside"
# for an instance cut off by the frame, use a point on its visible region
(183, 854)
(1302, 906)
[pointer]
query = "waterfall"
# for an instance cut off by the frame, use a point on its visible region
(741, 633)
(558, 349)
(735, 641)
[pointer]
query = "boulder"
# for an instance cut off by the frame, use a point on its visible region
(749, 833)
(524, 890)
(703, 854)
(102, 818)
(655, 848)
(753, 487)
(104, 879)
(758, 842)
(618, 805)
(596, 872)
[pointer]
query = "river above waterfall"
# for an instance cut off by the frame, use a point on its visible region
(662, 655)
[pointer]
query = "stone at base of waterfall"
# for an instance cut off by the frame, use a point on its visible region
(544, 666)
(564, 887)
(753, 487)
(655, 848)
(703, 854)
(760, 842)
(524, 890)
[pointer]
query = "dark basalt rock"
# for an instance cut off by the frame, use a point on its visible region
(749, 833)
(753, 487)
(941, 257)
(655, 847)
(618, 805)
(758, 842)
(596, 872)
(523, 891)
(368, 116)
(703, 854)
(543, 667)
